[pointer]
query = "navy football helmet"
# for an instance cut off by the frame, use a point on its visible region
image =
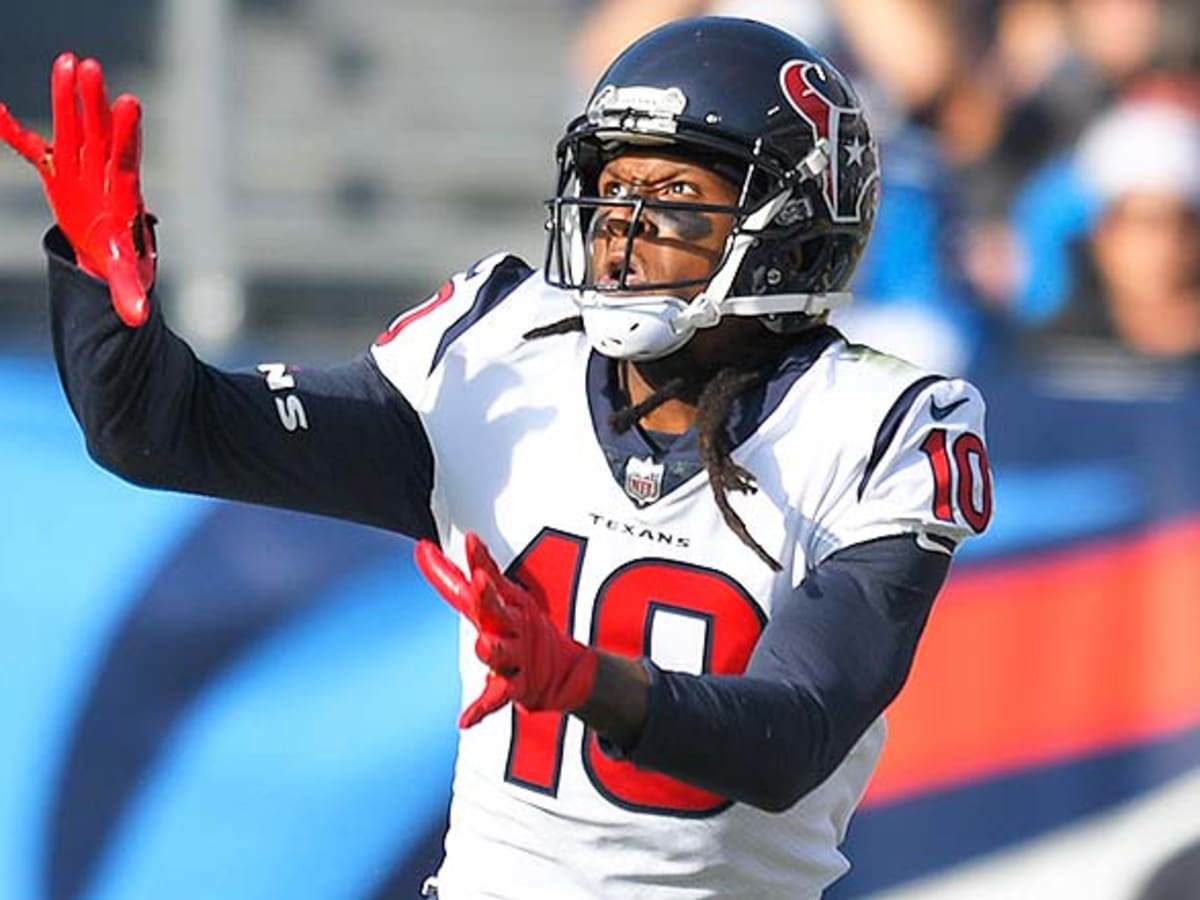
(759, 107)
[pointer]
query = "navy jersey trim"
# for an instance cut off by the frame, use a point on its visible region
(891, 425)
(506, 277)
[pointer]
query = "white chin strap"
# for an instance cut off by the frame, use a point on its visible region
(654, 326)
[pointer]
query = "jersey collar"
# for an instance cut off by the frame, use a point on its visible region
(679, 461)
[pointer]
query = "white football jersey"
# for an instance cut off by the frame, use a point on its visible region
(635, 558)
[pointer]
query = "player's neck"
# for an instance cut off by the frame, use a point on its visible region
(673, 416)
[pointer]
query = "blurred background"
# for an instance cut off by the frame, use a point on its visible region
(203, 699)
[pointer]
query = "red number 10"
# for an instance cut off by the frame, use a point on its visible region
(622, 622)
(957, 467)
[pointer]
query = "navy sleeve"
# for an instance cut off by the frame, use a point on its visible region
(826, 665)
(339, 442)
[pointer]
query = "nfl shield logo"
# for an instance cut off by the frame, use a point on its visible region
(643, 480)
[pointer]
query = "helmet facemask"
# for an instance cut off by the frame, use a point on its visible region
(635, 319)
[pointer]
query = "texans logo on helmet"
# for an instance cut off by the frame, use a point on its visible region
(835, 115)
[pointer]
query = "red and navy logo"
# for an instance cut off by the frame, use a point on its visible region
(834, 113)
(643, 480)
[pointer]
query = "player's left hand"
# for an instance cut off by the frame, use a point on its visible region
(92, 179)
(530, 661)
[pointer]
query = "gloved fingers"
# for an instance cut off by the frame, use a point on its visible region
(125, 162)
(492, 616)
(125, 287)
(446, 578)
(97, 120)
(495, 695)
(479, 557)
(64, 104)
(29, 144)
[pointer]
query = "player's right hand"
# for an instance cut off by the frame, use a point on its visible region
(530, 660)
(91, 175)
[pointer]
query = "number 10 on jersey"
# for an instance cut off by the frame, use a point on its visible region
(627, 605)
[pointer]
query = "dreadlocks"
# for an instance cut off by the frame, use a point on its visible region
(713, 393)
(562, 326)
(725, 475)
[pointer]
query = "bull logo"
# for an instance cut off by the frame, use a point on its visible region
(834, 113)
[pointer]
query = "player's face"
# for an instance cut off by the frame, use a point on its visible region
(669, 245)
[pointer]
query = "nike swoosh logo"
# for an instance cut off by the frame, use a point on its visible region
(940, 412)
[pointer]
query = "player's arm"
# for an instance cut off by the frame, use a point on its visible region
(153, 413)
(340, 442)
(830, 660)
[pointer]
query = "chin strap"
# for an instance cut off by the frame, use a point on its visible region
(722, 280)
(703, 312)
(784, 304)
(707, 308)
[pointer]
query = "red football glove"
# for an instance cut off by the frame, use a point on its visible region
(91, 176)
(530, 660)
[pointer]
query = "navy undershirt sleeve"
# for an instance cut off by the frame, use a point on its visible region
(828, 662)
(155, 415)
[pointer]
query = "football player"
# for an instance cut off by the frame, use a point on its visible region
(694, 533)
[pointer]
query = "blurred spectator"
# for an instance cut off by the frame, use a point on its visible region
(610, 25)
(1061, 63)
(1054, 208)
(1137, 277)
(907, 55)
(921, 57)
